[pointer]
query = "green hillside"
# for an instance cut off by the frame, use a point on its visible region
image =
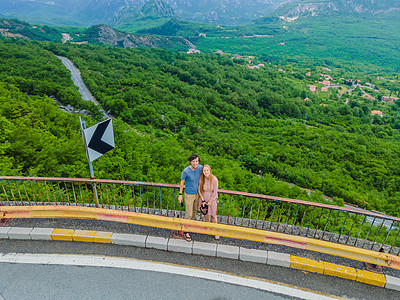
(152, 14)
(33, 32)
(358, 42)
(351, 37)
(346, 37)
(252, 126)
(38, 139)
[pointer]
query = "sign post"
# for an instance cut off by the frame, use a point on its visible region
(98, 140)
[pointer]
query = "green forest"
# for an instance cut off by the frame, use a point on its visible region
(351, 41)
(251, 125)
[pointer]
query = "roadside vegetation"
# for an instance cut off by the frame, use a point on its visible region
(252, 125)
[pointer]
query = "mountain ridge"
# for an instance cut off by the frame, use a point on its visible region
(326, 7)
(223, 12)
(95, 34)
(158, 7)
(91, 12)
(152, 13)
(105, 34)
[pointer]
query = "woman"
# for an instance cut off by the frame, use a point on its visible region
(208, 188)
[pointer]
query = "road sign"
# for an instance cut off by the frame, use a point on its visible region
(99, 139)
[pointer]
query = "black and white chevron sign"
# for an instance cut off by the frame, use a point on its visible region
(99, 139)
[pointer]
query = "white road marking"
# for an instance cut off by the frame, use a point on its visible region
(129, 263)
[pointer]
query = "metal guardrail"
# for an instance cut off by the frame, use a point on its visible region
(341, 225)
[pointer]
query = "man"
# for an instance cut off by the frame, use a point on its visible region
(191, 176)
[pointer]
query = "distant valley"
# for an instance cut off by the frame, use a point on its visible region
(305, 32)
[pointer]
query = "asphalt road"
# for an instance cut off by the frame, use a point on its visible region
(99, 277)
(77, 79)
(295, 278)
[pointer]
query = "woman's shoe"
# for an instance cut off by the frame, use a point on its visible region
(187, 237)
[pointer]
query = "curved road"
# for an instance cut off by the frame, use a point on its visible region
(315, 283)
(77, 79)
(56, 276)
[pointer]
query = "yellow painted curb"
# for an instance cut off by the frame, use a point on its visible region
(237, 232)
(83, 235)
(340, 271)
(371, 278)
(62, 234)
(296, 262)
(306, 264)
(102, 237)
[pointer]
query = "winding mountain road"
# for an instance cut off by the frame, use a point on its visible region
(77, 79)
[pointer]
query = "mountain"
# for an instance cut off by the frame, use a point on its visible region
(223, 12)
(152, 14)
(157, 7)
(329, 7)
(65, 12)
(95, 34)
(324, 30)
(19, 29)
(304, 31)
(108, 35)
(91, 12)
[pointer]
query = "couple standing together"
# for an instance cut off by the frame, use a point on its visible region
(200, 191)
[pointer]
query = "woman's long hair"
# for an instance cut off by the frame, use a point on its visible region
(203, 179)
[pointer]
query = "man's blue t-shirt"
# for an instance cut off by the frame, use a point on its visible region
(192, 179)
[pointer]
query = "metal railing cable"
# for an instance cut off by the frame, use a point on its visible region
(342, 225)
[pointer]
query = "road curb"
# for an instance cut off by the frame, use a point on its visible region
(226, 251)
(253, 255)
(125, 239)
(278, 259)
(306, 264)
(340, 271)
(206, 249)
(19, 233)
(43, 234)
